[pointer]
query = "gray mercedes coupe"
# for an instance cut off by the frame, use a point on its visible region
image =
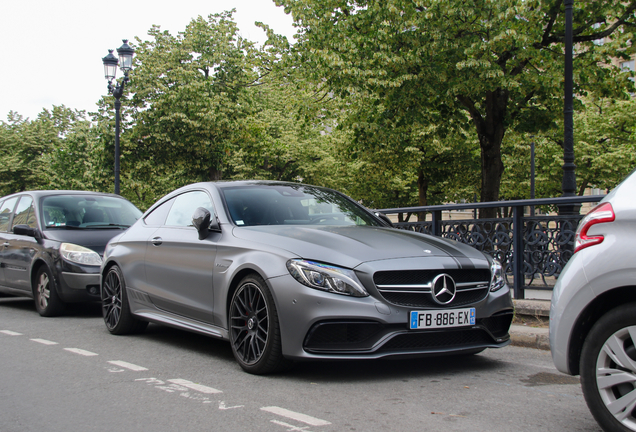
(288, 272)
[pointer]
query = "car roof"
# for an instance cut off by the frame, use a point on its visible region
(42, 193)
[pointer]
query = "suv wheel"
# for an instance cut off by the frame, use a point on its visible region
(608, 369)
(47, 302)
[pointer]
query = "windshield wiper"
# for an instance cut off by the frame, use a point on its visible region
(71, 227)
(105, 225)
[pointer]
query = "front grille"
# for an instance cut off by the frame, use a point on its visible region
(413, 288)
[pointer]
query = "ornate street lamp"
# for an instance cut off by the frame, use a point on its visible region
(110, 71)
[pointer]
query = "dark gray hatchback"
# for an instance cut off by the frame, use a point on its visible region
(52, 242)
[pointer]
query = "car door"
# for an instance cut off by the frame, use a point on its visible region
(19, 250)
(178, 265)
(6, 213)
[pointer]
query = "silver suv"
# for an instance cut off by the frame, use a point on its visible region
(593, 310)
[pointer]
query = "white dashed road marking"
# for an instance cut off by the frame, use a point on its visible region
(127, 365)
(193, 386)
(312, 421)
(10, 333)
(81, 352)
(44, 341)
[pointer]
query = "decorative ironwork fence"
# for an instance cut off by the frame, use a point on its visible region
(547, 242)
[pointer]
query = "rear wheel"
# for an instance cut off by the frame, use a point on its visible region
(115, 306)
(47, 301)
(254, 328)
(608, 369)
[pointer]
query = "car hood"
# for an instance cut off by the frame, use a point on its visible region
(351, 246)
(94, 239)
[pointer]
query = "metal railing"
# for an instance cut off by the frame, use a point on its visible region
(546, 241)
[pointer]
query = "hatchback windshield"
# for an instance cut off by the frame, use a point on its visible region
(292, 205)
(87, 211)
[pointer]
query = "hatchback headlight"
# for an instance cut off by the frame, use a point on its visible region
(326, 277)
(497, 280)
(79, 254)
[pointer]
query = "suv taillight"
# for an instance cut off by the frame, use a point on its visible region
(602, 213)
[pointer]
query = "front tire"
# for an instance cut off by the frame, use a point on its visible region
(608, 369)
(115, 306)
(254, 328)
(47, 301)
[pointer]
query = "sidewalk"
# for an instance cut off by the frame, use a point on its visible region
(530, 328)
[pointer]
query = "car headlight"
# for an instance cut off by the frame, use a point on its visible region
(326, 277)
(497, 280)
(79, 254)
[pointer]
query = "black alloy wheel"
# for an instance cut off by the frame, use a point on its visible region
(47, 301)
(115, 307)
(254, 329)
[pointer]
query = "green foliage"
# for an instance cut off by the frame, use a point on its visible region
(605, 151)
(22, 146)
(435, 61)
(190, 96)
(48, 152)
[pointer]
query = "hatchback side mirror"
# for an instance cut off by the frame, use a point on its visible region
(202, 221)
(27, 231)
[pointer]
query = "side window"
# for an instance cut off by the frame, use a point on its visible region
(6, 210)
(158, 215)
(184, 207)
(25, 213)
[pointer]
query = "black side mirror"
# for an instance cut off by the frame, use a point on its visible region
(27, 231)
(202, 221)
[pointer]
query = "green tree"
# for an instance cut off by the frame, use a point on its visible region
(76, 160)
(605, 151)
(23, 143)
(431, 61)
(189, 98)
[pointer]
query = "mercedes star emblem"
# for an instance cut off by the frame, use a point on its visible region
(443, 289)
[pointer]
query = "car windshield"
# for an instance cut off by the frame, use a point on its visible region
(87, 211)
(263, 204)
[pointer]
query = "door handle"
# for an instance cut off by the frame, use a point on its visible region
(157, 241)
(6, 244)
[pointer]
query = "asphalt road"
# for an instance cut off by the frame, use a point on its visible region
(69, 374)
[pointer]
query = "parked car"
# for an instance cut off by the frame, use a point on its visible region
(53, 241)
(286, 271)
(593, 310)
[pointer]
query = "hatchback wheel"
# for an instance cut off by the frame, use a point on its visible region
(608, 369)
(254, 328)
(47, 301)
(115, 307)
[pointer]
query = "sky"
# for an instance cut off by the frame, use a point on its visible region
(52, 49)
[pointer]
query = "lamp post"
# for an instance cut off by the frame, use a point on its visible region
(568, 186)
(110, 71)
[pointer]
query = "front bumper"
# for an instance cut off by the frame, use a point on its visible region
(79, 287)
(320, 325)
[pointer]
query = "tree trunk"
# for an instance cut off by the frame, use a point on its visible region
(491, 171)
(490, 130)
(215, 174)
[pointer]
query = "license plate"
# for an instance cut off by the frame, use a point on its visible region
(442, 318)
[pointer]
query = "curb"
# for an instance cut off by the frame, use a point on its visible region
(530, 337)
